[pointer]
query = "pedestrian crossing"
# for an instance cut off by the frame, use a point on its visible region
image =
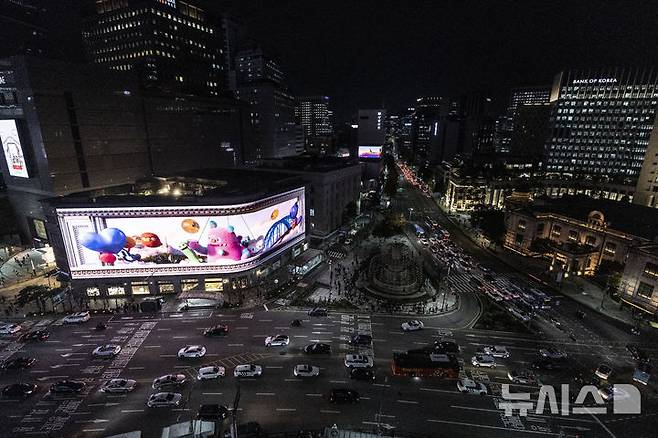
(336, 254)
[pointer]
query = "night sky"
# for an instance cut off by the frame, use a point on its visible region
(372, 53)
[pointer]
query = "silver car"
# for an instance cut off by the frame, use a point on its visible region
(303, 370)
(120, 386)
(164, 400)
(168, 380)
(108, 350)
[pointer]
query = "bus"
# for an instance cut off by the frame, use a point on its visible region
(425, 364)
(420, 232)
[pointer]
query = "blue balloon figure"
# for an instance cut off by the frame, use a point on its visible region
(293, 210)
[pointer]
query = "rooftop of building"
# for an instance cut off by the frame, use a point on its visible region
(629, 218)
(651, 248)
(308, 164)
(208, 186)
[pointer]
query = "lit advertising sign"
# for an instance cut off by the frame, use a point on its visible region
(144, 241)
(11, 146)
(590, 81)
(370, 151)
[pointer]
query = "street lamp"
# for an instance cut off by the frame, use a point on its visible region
(410, 211)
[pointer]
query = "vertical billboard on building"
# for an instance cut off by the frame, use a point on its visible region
(12, 148)
(143, 241)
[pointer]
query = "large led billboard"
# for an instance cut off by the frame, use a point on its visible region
(144, 241)
(370, 151)
(11, 145)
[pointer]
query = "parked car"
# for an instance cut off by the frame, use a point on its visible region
(317, 348)
(18, 363)
(106, 351)
(164, 400)
(524, 377)
(496, 351)
(642, 373)
(367, 374)
(607, 392)
(212, 412)
(19, 390)
(483, 360)
(277, 341)
(210, 372)
(603, 371)
(168, 380)
(192, 351)
(37, 335)
(248, 370)
(552, 353)
(304, 370)
(67, 387)
(360, 339)
(468, 386)
(9, 329)
(413, 325)
(120, 386)
(77, 318)
(343, 396)
(218, 330)
(358, 361)
(318, 311)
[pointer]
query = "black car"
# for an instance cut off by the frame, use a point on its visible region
(37, 335)
(343, 396)
(637, 353)
(218, 330)
(317, 348)
(546, 364)
(444, 347)
(358, 339)
(67, 386)
(362, 374)
(318, 311)
(19, 390)
(212, 412)
(18, 363)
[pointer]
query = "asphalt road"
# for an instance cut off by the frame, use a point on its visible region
(277, 400)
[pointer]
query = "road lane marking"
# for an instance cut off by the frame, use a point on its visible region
(314, 394)
(385, 385)
(300, 336)
(273, 367)
(292, 380)
(131, 411)
(328, 411)
(264, 320)
(286, 409)
(439, 390)
(152, 346)
(212, 393)
(135, 368)
(235, 345)
(93, 430)
(409, 402)
(167, 355)
(337, 381)
(240, 328)
(264, 393)
(485, 426)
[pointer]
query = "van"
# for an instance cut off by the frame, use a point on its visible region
(77, 318)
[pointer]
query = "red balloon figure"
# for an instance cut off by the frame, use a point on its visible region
(107, 258)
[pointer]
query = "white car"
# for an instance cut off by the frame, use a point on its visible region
(358, 361)
(108, 350)
(304, 370)
(496, 351)
(523, 377)
(248, 370)
(412, 326)
(9, 329)
(190, 351)
(164, 399)
(468, 386)
(169, 380)
(603, 371)
(77, 318)
(277, 341)
(424, 241)
(119, 386)
(210, 372)
(483, 360)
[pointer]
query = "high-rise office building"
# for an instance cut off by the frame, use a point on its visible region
(23, 27)
(371, 127)
(312, 113)
(506, 124)
(170, 43)
(426, 120)
(261, 83)
(601, 123)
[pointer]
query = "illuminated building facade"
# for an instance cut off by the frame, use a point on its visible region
(170, 43)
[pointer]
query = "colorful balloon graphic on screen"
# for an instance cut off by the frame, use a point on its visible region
(110, 240)
(191, 226)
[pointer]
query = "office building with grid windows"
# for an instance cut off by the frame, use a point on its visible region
(601, 124)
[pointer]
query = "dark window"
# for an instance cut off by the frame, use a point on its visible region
(645, 290)
(540, 228)
(610, 248)
(590, 240)
(519, 238)
(573, 235)
(651, 270)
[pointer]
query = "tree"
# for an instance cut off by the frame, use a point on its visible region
(35, 293)
(491, 222)
(389, 226)
(610, 272)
